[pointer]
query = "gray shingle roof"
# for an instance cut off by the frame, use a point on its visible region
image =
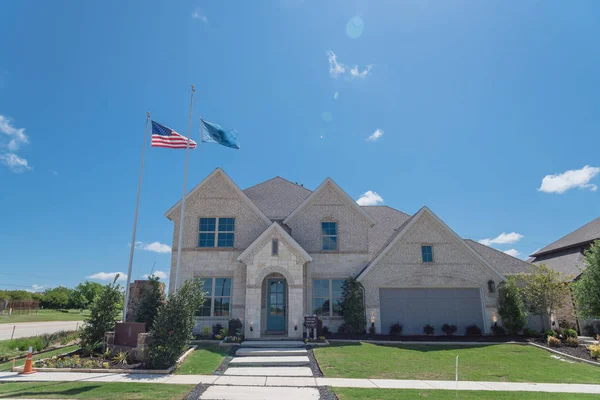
(507, 265)
(388, 220)
(569, 262)
(585, 234)
(277, 197)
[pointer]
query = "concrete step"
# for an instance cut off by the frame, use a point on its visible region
(283, 361)
(269, 371)
(260, 393)
(273, 343)
(270, 351)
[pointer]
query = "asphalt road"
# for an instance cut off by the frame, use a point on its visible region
(25, 329)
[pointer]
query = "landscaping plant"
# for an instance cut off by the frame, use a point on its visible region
(353, 306)
(152, 298)
(428, 330)
(498, 330)
(449, 329)
(594, 350)
(553, 341)
(511, 308)
(572, 341)
(550, 332)
(103, 315)
(206, 332)
(396, 329)
(569, 333)
(545, 291)
(473, 330)
(172, 329)
(586, 289)
(531, 333)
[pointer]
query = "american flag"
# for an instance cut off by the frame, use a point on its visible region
(163, 136)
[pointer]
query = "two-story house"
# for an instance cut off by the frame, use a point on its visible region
(275, 252)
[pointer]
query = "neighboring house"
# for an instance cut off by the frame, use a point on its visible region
(566, 256)
(275, 252)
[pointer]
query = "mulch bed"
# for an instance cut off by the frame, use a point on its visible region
(425, 338)
(579, 351)
(314, 365)
(197, 392)
(226, 360)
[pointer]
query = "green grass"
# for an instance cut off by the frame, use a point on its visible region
(45, 315)
(500, 362)
(4, 367)
(16, 347)
(389, 394)
(77, 390)
(204, 360)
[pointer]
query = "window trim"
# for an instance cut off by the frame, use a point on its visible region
(330, 298)
(432, 255)
(212, 296)
(337, 242)
(216, 232)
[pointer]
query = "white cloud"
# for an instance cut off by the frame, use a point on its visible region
(14, 162)
(376, 135)
(370, 198)
(575, 178)
(196, 15)
(155, 247)
(336, 95)
(108, 276)
(503, 238)
(53, 172)
(512, 252)
(337, 69)
(16, 136)
(160, 274)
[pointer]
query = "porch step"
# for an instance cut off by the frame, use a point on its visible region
(269, 371)
(266, 351)
(274, 343)
(283, 361)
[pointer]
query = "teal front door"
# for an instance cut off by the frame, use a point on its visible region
(276, 305)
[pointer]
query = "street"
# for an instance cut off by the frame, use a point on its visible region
(25, 329)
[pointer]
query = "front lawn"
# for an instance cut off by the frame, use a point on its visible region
(393, 394)
(4, 367)
(500, 362)
(204, 360)
(96, 390)
(45, 315)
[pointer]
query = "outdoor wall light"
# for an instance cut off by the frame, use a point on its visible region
(251, 328)
(372, 317)
(494, 318)
(491, 286)
(295, 327)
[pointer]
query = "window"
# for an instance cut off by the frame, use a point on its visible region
(217, 298)
(327, 297)
(221, 229)
(274, 247)
(427, 253)
(329, 234)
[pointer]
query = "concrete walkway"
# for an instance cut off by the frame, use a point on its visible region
(298, 382)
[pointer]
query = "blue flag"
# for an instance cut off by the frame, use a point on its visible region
(213, 133)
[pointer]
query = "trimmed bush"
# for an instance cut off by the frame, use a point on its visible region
(325, 331)
(396, 329)
(449, 329)
(498, 330)
(235, 327)
(372, 329)
(531, 333)
(569, 333)
(572, 341)
(550, 332)
(473, 330)
(553, 341)
(428, 330)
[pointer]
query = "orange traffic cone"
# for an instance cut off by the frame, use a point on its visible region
(28, 369)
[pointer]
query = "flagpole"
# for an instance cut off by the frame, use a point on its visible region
(181, 215)
(135, 219)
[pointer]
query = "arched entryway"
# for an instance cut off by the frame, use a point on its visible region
(274, 304)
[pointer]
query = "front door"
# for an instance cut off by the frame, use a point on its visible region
(276, 305)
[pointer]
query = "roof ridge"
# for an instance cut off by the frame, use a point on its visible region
(496, 250)
(275, 177)
(391, 208)
(544, 250)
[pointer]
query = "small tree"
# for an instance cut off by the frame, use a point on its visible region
(545, 291)
(353, 306)
(586, 289)
(152, 299)
(104, 313)
(172, 327)
(512, 308)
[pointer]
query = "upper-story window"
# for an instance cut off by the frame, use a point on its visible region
(427, 253)
(329, 236)
(275, 247)
(216, 232)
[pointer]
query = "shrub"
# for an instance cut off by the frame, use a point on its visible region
(589, 330)
(473, 330)
(235, 327)
(594, 350)
(224, 332)
(151, 299)
(120, 358)
(498, 330)
(172, 328)
(341, 328)
(216, 329)
(428, 330)
(372, 329)
(353, 306)
(550, 332)
(325, 331)
(572, 341)
(511, 308)
(449, 329)
(206, 332)
(104, 312)
(553, 341)
(396, 329)
(569, 333)
(531, 333)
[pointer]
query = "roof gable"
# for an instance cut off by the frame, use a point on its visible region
(329, 184)
(587, 233)
(275, 230)
(405, 228)
(277, 197)
(219, 173)
(503, 262)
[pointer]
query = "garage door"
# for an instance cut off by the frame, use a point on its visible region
(415, 308)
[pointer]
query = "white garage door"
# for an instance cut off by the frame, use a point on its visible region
(416, 307)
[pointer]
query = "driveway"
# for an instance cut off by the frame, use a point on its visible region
(25, 329)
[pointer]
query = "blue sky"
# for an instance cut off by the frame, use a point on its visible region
(475, 103)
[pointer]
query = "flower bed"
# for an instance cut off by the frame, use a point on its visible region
(427, 338)
(582, 352)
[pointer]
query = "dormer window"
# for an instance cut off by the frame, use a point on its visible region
(329, 236)
(427, 253)
(216, 232)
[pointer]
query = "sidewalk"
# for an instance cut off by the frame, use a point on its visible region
(221, 380)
